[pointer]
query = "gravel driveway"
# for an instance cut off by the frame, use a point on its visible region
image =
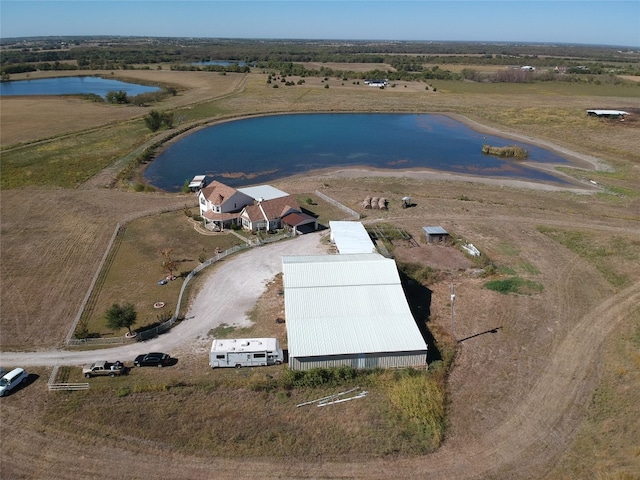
(227, 294)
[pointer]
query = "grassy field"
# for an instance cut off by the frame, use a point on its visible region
(547, 378)
(135, 265)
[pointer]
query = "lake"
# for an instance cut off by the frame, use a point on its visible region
(262, 149)
(72, 86)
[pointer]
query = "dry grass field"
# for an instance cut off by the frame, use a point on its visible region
(543, 385)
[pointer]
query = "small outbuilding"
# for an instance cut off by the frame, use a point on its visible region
(197, 183)
(350, 237)
(435, 234)
(607, 113)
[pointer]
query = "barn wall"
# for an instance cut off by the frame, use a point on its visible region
(359, 361)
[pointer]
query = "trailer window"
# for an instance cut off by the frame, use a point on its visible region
(220, 357)
(259, 355)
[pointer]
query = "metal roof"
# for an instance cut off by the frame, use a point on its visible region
(347, 304)
(435, 231)
(608, 112)
(351, 237)
(264, 192)
(198, 181)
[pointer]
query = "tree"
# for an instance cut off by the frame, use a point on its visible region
(119, 97)
(153, 120)
(168, 263)
(121, 316)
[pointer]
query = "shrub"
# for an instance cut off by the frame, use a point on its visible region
(514, 285)
(512, 151)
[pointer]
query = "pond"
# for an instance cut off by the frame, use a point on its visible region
(262, 149)
(72, 86)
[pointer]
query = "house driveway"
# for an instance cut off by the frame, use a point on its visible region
(229, 291)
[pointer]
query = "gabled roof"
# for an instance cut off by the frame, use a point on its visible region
(278, 207)
(347, 304)
(253, 213)
(297, 218)
(217, 192)
(271, 209)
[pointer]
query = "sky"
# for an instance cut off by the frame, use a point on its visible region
(593, 22)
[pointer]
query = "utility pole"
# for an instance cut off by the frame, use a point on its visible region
(453, 300)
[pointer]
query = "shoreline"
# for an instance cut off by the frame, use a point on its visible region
(575, 160)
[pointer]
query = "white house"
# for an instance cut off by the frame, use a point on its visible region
(267, 215)
(220, 204)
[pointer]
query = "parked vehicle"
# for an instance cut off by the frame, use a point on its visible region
(153, 359)
(245, 352)
(103, 368)
(12, 379)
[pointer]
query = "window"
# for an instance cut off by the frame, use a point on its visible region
(259, 355)
(220, 357)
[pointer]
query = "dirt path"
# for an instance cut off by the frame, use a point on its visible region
(526, 440)
(521, 446)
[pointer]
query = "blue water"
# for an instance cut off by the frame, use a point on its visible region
(72, 86)
(259, 150)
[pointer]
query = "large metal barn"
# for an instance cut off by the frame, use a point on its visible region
(348, 310)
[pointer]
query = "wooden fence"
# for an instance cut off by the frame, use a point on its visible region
(58, 387)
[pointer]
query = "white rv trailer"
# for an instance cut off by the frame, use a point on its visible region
(245, 352)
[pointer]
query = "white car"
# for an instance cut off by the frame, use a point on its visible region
(12, 379)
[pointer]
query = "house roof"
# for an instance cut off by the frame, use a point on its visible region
(351, 237)
(265, 192)
(271, 209)
(217, 192)
(347, 304)
(297, 218)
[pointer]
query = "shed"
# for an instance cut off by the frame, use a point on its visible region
(348, 310)
(197, 183)
(435, 234)
(350, 237)
(607, 113)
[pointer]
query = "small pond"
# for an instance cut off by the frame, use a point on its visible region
(84, 85)
(262, 149)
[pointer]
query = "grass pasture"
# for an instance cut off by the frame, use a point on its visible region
(535, 369)
(132, 274)
(252, 413)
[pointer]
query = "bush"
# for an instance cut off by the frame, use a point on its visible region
(511, 151)
(514, 285)
(154, 120)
